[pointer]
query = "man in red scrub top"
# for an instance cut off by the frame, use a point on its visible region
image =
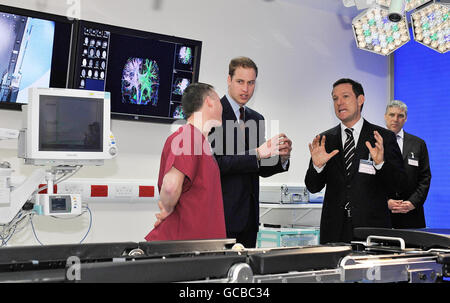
(189, 178)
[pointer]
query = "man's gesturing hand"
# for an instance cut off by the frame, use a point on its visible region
(319, 155)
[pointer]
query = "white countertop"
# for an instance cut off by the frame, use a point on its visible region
(289, 205)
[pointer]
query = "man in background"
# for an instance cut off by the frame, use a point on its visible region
(407, 207)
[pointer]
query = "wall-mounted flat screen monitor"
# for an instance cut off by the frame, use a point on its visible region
(35, 51)
(146, 73)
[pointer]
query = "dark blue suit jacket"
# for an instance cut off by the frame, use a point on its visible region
(239, 168)
(419, 179)
(367, 194)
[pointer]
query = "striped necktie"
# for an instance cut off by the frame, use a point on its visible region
(349, 150)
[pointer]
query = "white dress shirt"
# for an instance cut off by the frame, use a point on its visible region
(400, 138)
(235, 106)
(356, 132)
(357, 127)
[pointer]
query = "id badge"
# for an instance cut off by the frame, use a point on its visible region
(366, 167)
(412, 161)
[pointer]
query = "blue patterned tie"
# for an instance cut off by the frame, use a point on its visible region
(242, 118)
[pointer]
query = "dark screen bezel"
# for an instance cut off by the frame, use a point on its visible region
(80, 24)
(51, 17)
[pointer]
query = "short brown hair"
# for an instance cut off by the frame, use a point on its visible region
(193, 97)
(356, 86)
(244, 62)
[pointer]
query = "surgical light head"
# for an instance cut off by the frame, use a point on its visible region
(431, 26)
(374, 31)
(409, 4)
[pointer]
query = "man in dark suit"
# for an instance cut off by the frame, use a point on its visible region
(359, 163)
(243, 154)
(407, 209)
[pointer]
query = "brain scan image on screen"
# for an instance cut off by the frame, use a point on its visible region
(140, 82)
(180, 85)
(178, 113)
(185, 55)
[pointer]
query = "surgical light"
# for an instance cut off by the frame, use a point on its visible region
(409, 4)
(431, 26)
(374, 31)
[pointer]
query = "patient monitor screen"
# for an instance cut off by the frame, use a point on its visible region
(70, 124)
(60, 204)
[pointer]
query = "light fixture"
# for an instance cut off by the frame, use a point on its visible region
(360, 4)
(374, 31)
(431, 26)
(409, 4)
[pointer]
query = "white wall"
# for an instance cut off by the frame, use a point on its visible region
(300, 47)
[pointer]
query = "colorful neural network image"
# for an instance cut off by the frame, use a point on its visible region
(178, 113)
(180, 85)
(185, 55)
(140, 82)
